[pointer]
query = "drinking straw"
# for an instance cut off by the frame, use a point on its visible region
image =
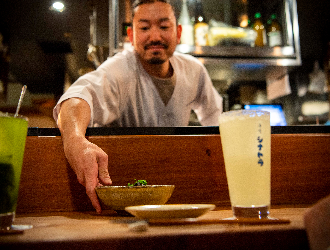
(20, 100)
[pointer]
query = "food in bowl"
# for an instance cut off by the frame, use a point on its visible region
(138, 183)
(118, 197)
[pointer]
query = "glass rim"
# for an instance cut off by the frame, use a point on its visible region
(245, 111)
(11, 115)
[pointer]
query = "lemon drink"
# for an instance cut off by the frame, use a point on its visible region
(245, 138)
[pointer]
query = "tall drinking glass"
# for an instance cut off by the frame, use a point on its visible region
(245, 138)
(13, 132)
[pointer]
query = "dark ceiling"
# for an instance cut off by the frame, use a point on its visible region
(39, 39)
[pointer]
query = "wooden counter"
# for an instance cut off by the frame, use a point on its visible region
(83, 230)
(52, 200)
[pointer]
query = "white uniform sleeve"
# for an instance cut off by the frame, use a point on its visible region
(209, 101)
(102, 97)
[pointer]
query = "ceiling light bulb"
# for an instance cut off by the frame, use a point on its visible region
(58, 6)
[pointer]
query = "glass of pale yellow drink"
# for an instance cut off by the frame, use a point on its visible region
(245, 138)
(13, 132)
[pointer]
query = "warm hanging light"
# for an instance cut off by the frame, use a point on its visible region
(243, 21)
(57, 6)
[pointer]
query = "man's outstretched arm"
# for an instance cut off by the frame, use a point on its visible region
(89, 162)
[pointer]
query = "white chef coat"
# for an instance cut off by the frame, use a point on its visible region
(121, 92)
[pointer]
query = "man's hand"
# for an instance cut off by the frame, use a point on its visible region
(90, 163)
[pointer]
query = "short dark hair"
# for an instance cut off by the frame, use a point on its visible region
(136, 3)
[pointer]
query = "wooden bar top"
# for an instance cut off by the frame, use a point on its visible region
(88, 230)
(52, 200)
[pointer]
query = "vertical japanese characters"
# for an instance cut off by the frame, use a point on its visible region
(260, 146)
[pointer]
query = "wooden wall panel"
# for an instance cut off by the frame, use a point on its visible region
(194, 164)
(300, 168)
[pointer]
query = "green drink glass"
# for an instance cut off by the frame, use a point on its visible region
(13, 132)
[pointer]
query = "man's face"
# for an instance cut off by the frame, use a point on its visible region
(154, 34)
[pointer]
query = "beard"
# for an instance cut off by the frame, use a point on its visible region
(155, 58)
(156, 61)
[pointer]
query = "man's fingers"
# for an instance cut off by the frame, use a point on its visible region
(104, 176)
(91, 182)
(81, 178)
(93, 197)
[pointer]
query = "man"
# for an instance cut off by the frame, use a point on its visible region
(150, 86)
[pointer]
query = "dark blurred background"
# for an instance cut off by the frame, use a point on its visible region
(47, 48)
(38, 38)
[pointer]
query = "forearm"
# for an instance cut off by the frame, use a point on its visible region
(73, 118)
(89, 162)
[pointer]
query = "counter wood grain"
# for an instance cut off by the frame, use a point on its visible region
(83, 230)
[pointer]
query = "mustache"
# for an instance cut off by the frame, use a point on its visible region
(155, 44)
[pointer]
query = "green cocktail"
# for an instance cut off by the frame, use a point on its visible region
(13, 131)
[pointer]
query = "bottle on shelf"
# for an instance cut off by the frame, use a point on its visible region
(125, 40)
(242, 15)
(327, 74)
(327, 68)
(258, 26)
(201, 27)
(187, 36)
(274, 32)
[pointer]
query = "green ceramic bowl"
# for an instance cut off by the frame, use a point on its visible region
(118, 197)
